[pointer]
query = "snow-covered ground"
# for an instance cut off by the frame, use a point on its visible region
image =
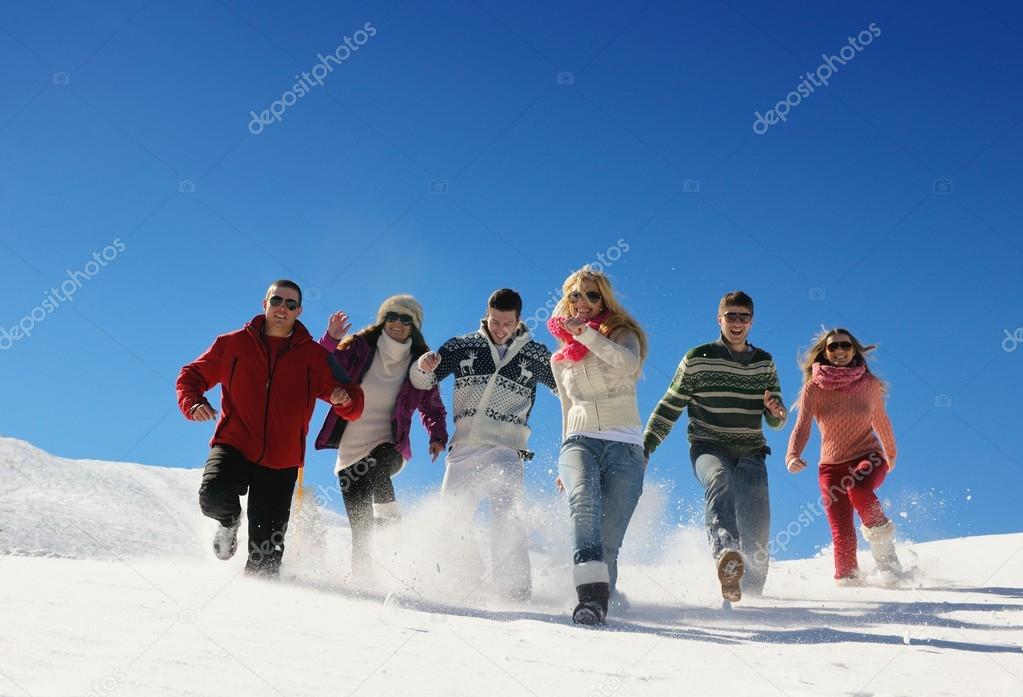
(109, 587)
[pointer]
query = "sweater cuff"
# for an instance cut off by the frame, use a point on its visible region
(588, 335)
(421, 380)
(650, 443)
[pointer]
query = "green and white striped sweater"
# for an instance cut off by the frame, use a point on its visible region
(725, 397)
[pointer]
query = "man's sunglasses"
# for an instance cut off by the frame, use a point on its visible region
(591, 295)
(843, 345)
(740, 317)
(276, 301)
(395, 317)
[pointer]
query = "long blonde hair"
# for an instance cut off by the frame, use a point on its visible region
(818, 350)
(619, 317)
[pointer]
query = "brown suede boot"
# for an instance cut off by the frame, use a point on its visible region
(730, 570)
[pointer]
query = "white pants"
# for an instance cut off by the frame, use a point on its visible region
(476, 473)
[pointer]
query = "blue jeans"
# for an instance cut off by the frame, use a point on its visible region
(736, 506)
(603, 480)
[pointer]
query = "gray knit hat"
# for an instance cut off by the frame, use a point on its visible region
(402, 304)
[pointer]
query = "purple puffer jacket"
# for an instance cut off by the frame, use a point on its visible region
(356, 359)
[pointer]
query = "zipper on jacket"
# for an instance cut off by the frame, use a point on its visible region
(270, 370)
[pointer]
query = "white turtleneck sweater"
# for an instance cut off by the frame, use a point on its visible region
(380, 387)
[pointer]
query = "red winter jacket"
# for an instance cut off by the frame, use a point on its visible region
(265, 415)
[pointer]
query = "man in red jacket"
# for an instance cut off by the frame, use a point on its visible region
(270, 373)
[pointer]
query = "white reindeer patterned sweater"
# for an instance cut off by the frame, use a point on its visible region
(494, 395)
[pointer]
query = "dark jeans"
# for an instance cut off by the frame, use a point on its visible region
(226, 477)
(736, 505)
(364, 483)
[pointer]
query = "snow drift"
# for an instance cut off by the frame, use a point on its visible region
(110, 587)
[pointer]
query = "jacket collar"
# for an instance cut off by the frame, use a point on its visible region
(299, 335)
(743, 358)
(520, 335)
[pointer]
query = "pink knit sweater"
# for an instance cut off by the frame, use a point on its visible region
(850, 422)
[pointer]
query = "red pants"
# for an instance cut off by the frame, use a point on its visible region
(847, 486)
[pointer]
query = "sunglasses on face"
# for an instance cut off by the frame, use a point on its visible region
(740, 317)
(277, 301)
(840, 345)
(591, 295)
(395, 317)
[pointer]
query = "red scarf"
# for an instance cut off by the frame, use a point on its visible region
(839, 379)
(572, 350)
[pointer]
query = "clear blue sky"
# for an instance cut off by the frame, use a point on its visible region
(466, 146)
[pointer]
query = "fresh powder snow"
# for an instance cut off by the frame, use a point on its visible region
(110, 587)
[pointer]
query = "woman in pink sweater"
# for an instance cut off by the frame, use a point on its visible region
(857, 447)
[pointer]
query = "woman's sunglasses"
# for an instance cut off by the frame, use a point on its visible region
(277, 301)
(591, 295)
(843, 345)
(395, 317)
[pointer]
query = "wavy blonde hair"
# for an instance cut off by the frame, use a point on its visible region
(817, 353)
(619, 317)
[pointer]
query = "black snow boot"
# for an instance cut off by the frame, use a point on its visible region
(592, 607)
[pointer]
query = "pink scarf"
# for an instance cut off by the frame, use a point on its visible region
(572, 350)
(839, 379)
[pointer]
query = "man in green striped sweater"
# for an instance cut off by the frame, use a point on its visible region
(729, 386)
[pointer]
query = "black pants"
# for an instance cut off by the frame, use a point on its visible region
(363, 483)
(225, 478)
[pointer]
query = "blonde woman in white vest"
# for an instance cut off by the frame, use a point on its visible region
(601, 464)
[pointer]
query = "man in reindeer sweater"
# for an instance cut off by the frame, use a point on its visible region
(496, 370)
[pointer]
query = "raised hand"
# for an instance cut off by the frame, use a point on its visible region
(574, 325)
(429, 361)
(338, 325)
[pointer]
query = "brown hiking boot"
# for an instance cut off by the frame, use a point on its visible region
(730, 570)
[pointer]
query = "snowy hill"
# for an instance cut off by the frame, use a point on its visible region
(109, 587)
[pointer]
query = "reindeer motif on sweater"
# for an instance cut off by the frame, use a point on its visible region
(493, 395)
